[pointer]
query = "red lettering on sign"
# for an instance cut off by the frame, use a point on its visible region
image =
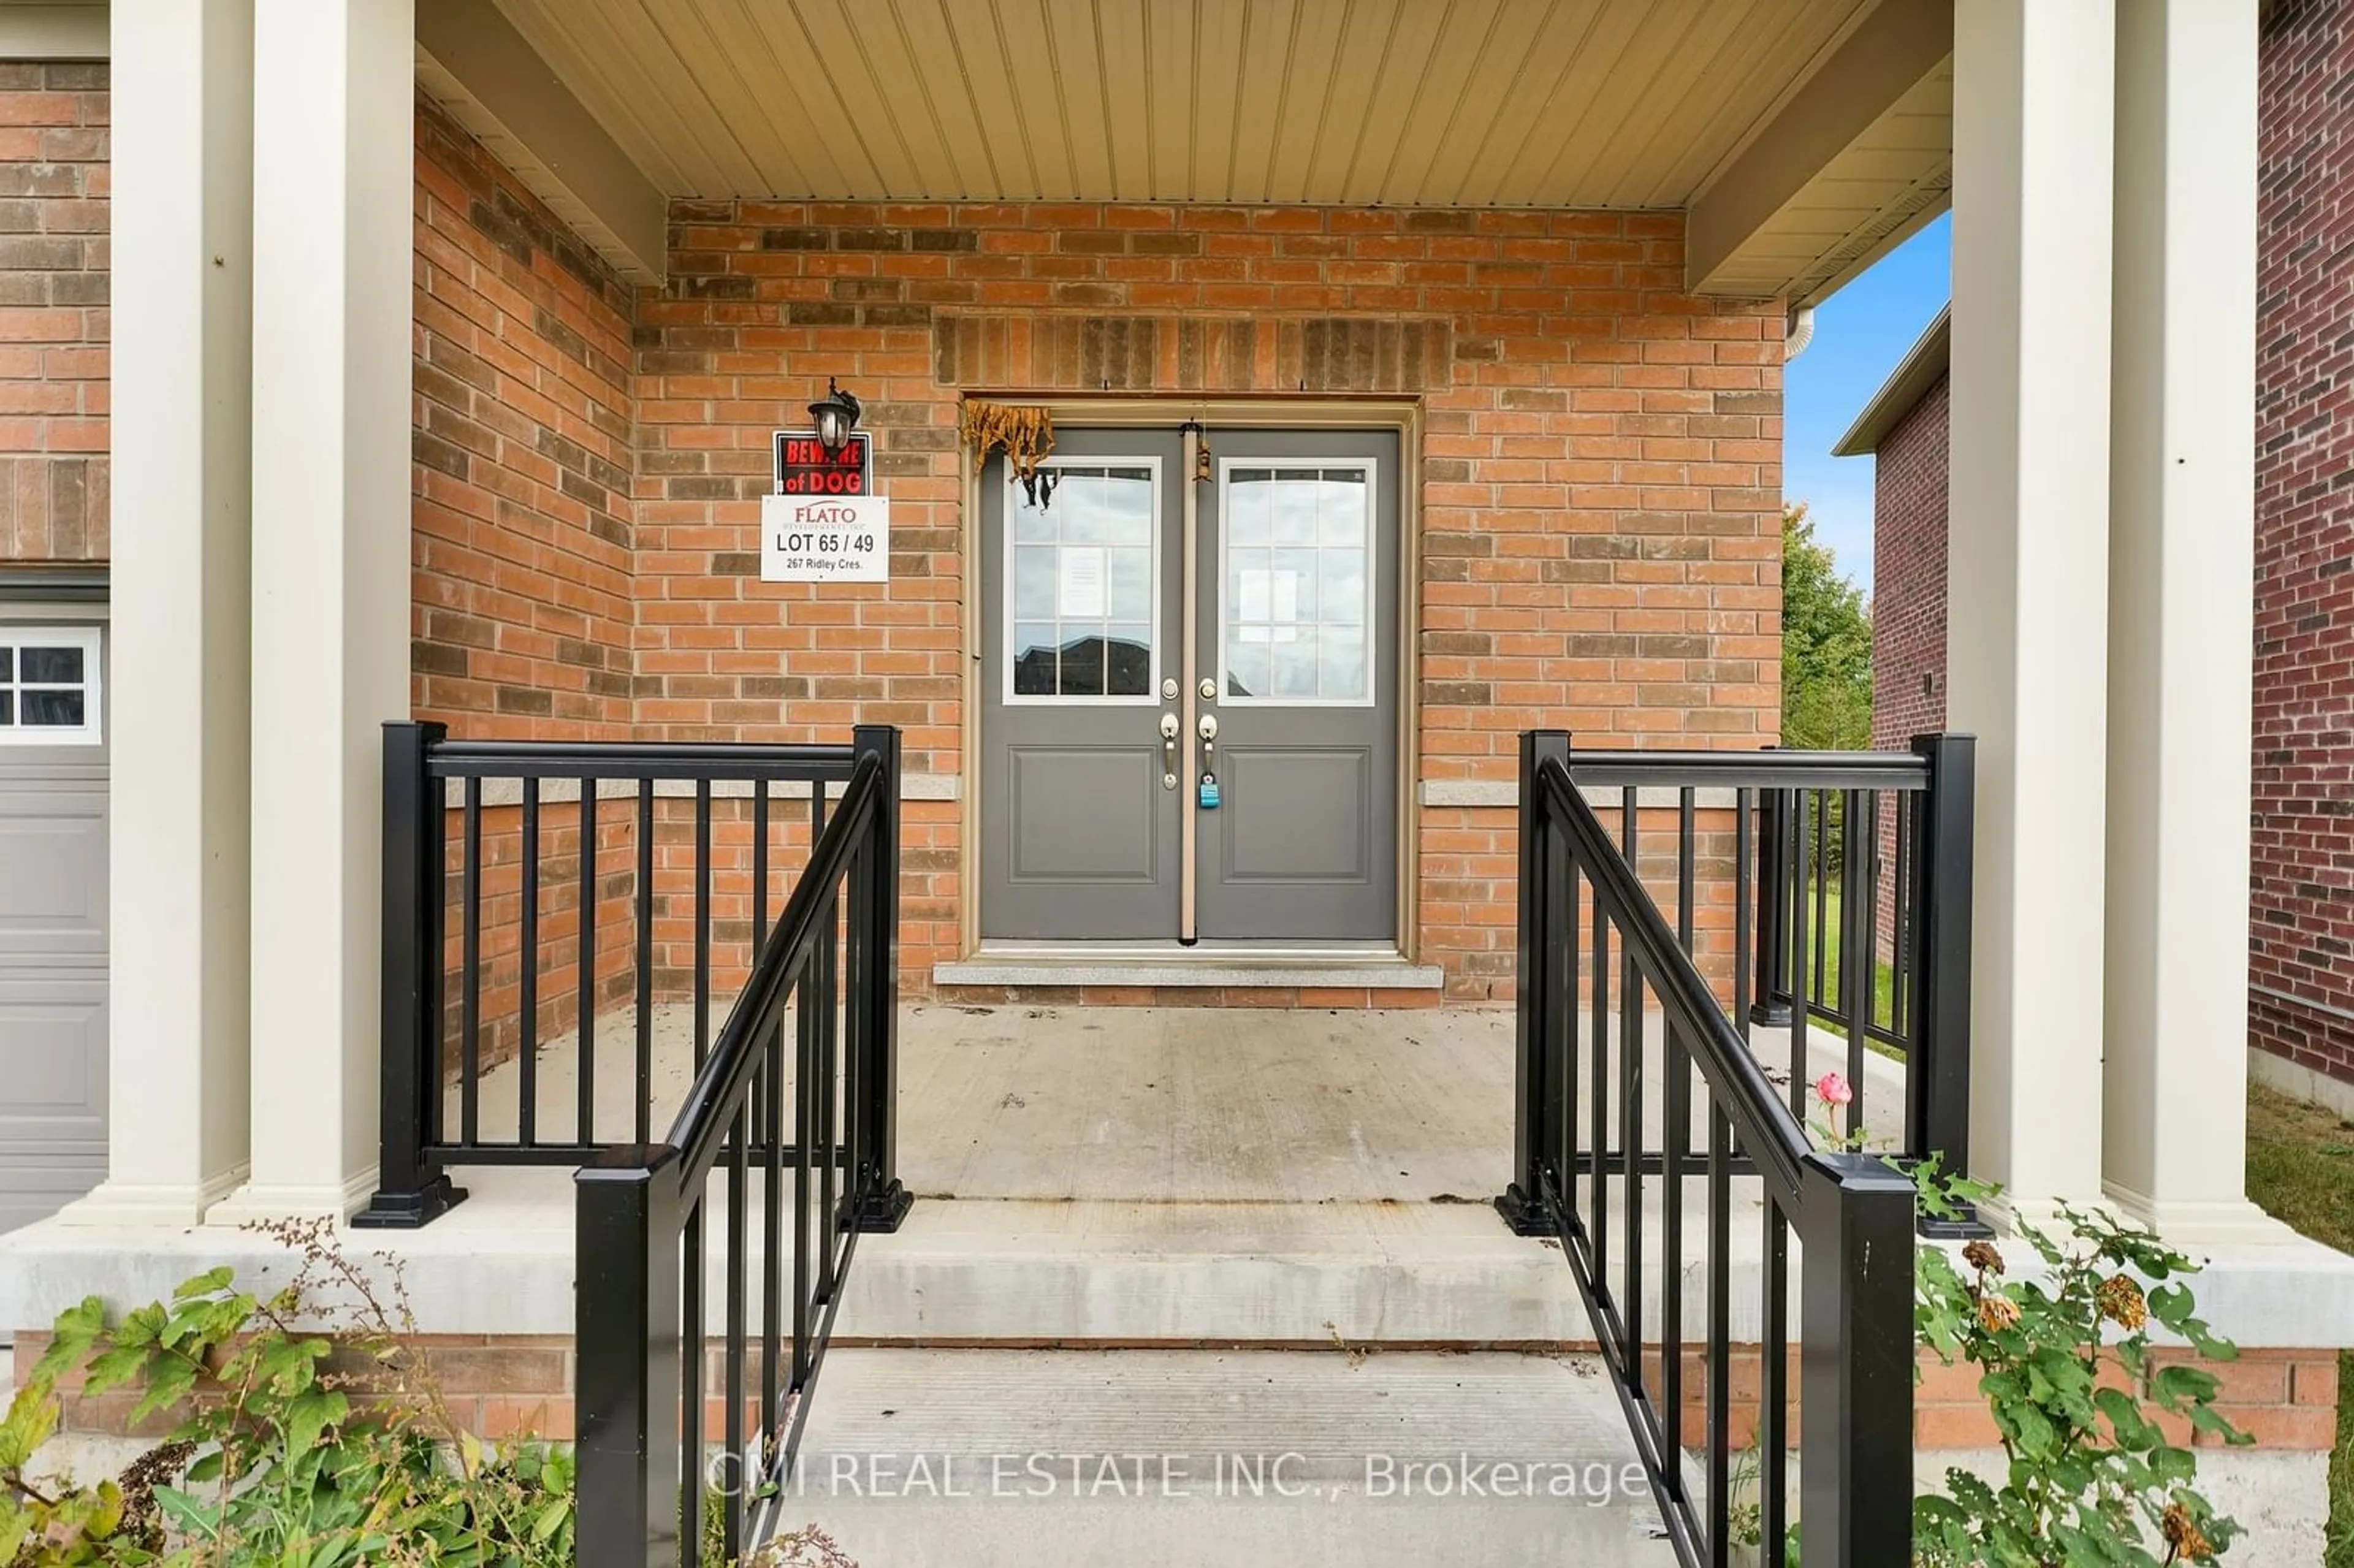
(806, 467)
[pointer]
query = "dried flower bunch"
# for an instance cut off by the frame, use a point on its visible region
(1023, 432)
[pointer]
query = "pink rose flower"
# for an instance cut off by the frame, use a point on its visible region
(1833, 1090)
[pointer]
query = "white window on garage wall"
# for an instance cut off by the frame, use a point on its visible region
(50, 693)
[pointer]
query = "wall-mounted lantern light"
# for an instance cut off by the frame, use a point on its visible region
(835, 416)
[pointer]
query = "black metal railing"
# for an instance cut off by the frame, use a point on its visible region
(1840, 876)
(679, 1436)
(1614, 1126)
(550, 888)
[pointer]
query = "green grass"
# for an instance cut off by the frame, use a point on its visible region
(1883, 985)
(2301, 1172)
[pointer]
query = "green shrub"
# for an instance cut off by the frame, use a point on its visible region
(317, 1438)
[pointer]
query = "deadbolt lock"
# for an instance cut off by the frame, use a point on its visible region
(1209, 689)
(1169, 690)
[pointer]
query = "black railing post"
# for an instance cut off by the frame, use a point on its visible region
(626, 1360)
(1855, 1367)
(411, 1189)
(1541, 1013)
(1772, 1006)
(1938, 1117)
(1859, 973)
(882, 1201)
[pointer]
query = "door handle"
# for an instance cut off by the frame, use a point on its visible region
(1208, 727)
(1169, 727)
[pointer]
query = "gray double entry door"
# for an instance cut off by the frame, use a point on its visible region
(1238, 784)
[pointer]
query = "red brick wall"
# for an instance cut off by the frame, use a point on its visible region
(1599, 506)
(504, 1384)
(1908, 576)
(521, 538)
(2301, 941)
(1601, 485)
(1908, 604)
(53, 311)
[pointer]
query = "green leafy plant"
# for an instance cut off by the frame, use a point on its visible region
(56, 1523)
(311, 1435)
(318, 1437)
(2091, 1477)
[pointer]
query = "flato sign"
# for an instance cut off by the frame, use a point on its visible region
(805, 468)
(825, 539)
(824, 523)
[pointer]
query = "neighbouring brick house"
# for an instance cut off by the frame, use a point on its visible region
(2301, 932)
(1904, 427)
(2301, 941)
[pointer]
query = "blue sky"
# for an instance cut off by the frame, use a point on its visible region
(1860, 335)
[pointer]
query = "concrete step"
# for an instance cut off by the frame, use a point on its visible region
(1023, 1272)
(974, 1458)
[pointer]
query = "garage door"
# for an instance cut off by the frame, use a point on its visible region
(53, 924)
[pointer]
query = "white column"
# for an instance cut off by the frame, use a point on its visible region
(182, 175)
(2181, 619)
(2028, 569)
(334, 138)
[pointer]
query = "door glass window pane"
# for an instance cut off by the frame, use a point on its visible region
(1295, 668)
(1291, 509)
(1128, 661)
(1033, 583)
(1246, 666)
(1245, 517)
(7, 709)
(1081, 663)
(1082, 584)
(1344, 586)
(7, 663)
(1295, 608)
(1343, 648)
(1035, 660)
(1131, 571)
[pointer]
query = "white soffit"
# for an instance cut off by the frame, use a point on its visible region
(1527, 103)
(66, 32)
(1858, 157)
(499, 88)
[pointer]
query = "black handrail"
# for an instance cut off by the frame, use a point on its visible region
(639, 1331)
(1769, 1131)
(1773, 769)
(719, 1090)
(1596, 1190)
(436, 802)
(630, 759)
(1850, 892)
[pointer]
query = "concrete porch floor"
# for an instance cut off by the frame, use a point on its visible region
(1127, 1105)
(1157, 1105)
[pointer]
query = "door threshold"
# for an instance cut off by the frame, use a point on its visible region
(1231, 966)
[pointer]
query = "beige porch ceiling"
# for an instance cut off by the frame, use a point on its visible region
(1523, 104)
